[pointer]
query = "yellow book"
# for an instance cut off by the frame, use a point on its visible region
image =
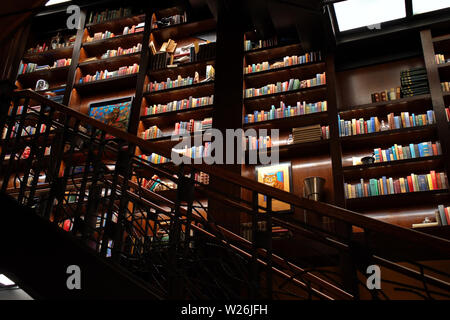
(430, 182)
(349, 191)
(402, 185)
(377, 124)
(353, 126)
(380, 182)
(396, 152)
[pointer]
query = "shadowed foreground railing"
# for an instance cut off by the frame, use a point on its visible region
(154, 219)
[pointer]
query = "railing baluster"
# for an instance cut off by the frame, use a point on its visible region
(268, 219)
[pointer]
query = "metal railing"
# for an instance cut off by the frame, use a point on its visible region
(155, 220)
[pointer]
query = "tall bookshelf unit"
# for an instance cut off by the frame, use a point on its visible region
(347, 92)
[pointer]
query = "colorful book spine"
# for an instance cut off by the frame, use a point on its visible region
(412, 151)
(102, 75)
(286, 62)
(179, 105)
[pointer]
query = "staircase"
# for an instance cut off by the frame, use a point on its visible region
(82, 198)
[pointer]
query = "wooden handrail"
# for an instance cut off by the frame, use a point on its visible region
(350, 217)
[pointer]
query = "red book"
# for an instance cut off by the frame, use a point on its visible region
(435, 151)
(433, 179)
(439, 183)
(410, 184)
(365, 127)
(447, 214)
(397, 188)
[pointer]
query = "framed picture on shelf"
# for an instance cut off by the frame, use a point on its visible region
(115, 113)
(278, 176)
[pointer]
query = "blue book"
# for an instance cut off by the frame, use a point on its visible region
(394, 154)
(385, 185)
(414, 119)
(430, 117)
(373, 123)
(420, 149)
(423, 184)
(413, 153)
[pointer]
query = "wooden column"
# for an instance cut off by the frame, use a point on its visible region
(75, 59)
(228, 98)
(436, 95)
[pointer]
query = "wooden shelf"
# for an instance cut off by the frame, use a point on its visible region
(439, 231)
(296, 150)
(178, 115)
(268, 53)
(99, 47)
(113, 84)
(386, 106)
(399, 199)
(184, 70)
(391, 136)
(290, 122)
(185, 29)
(197, 89)
(441, 38)
(288, 71)
(100, 64)
(390, 168)
(122, 22)
(51, 75)
(49, 56)
(444, 71)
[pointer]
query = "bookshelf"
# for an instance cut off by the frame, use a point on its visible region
(347, 92)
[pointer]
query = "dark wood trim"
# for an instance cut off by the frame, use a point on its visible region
(75, 59)
(436, 95)
(143, 66)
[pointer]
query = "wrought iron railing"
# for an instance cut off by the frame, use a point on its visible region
(154, 218)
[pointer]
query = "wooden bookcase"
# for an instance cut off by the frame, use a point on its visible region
(347, 92)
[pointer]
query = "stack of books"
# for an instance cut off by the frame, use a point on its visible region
(307, 134)
(414, 82)
(386, 186)
(120, 51)
(183, 127)
(151, 133)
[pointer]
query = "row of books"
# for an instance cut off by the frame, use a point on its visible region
(101, 75)
(386, 186)
(151, 133)
(108, 34)
(414, 150)
(54, 45)
(196, 152)
(120, 51)
(179, 105)
(254, 143)
(287, 61)
(393, 94)
(192, 125)
(252, 45)
(445, 86)
(168, 21)
(414, 82)
(301, 108)
(205, 51)
(440, 59)
(404, 120)
(134, 28)
(154, 158)
(26, 131)
(32, 67)
(108, 15)
(311, 133)
(155, 184)
(179, 82)
(292, 84)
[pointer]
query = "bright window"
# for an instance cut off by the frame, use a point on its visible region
(352, 14)
(421, 6)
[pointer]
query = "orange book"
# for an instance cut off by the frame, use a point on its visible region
(435, 151)
(433, 179)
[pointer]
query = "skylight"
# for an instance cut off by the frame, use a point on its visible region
(352, 14)
(53, 2)
(422, 6)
